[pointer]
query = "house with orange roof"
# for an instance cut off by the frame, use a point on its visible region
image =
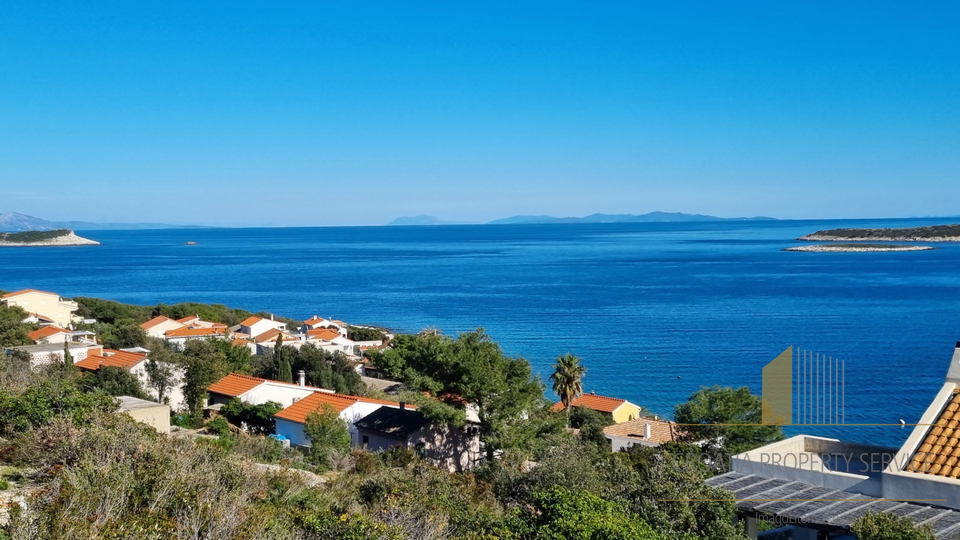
(50, 334)
(646, 431)
(36, 318)
(257, 391)
(331, 340)
(291, 420)
(159, 326)
(135, 361)
(255, 326)
(180, 336)
(315, 322)
(194, 321)
(46, 304)
(619, 410)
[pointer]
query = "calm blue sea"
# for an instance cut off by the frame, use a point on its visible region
(655, 310)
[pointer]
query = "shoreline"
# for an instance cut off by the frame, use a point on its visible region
(70, 239)
(828, 248)
(831, 238)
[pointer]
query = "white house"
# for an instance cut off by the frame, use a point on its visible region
(46, 304)
(49, 353)
(331, 340)
(315, 322)
(255, 326)
(136, 363)
(50, 334)
(257, 391)
(159, 326)
(640, 432)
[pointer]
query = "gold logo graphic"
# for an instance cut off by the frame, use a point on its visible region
(803, 388)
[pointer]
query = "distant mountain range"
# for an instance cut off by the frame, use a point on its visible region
(652, 217)
(16, 222)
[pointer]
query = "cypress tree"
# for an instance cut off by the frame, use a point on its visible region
(284, 371)
(67, 357)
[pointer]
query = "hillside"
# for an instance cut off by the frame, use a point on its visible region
(58, 237)
(15, 222)
(933, 233)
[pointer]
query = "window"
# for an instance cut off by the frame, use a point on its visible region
(366, 440)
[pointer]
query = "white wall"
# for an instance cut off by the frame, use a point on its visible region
(285, 395)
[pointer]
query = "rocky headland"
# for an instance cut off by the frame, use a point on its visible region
(60, 237)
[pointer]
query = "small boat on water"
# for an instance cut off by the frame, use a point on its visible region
(190, 243)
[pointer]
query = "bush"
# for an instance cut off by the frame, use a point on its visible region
(219, 427)
(889, 527)
(561, 514)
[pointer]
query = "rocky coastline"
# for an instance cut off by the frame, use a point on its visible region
(68, 238)
(857, 248)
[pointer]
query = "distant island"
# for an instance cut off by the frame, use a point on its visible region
(652, 217)
(933, 233)
(16, 222)
(858, 248)
(59, 237)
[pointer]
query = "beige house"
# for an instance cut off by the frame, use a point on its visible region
(155, 415)
(618, 410)
(44, 304)
(159, 326)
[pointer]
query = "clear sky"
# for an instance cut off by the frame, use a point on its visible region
(350, 113)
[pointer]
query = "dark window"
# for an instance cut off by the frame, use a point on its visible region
(366, 440)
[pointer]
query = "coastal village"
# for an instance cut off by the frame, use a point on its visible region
(375, 424)
(818, 486)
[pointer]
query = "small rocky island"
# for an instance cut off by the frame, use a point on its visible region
(858, 248)
(59, 237)
(934, 233)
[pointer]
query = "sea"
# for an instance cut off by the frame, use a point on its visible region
(655, 310)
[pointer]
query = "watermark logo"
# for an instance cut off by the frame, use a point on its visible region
(803, 388)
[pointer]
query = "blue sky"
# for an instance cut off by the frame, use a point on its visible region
(351, 113)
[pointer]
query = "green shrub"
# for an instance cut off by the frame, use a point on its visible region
(889, 527)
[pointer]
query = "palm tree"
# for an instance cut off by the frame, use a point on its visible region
(568, 378)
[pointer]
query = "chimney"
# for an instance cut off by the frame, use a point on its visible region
(646, 431)
(302, 378)
(403, 406)
(593, 393)
(271, 316)
(953, 374)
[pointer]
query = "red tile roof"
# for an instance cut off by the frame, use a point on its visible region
(299, 411)
(26, 291)
(325, 334)
(239, 342)
(110, 357)
(314, 320)
(193, 332)
(155, 321)
(939, 453)
(593, 401)
(661, 431)
(47, 331)
(271, 335)
(251, 320)
(235, 385)
(190, 318)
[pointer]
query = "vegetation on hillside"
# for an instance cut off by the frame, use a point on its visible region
(30, 237)
(905, 233)
(88, 472)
